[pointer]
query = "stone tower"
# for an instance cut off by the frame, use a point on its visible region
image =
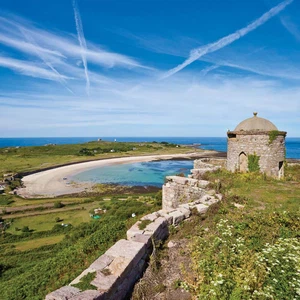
(259, 139)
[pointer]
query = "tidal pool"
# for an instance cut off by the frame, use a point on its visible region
(151, 173)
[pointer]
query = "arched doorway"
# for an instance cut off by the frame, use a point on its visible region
(243, 162)
(281, 170)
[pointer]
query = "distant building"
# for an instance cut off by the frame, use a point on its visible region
(259, 138)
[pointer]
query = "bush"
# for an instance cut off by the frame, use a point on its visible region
(253, 163)
(25, 229)
(58, 204)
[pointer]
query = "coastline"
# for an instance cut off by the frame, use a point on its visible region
(50, 183)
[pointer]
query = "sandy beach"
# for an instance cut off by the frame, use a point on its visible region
(51, 183)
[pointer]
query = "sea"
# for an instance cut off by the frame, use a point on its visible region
(150, 173)
(207, 143)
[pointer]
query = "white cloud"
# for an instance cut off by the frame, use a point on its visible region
(204, 107)
(227, 40)
(290, 27)
(82, 43)
(30, 69)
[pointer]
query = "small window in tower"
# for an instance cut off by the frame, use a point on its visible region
(232, 135)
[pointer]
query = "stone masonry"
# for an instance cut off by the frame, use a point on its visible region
(260, 137)
(271, 155)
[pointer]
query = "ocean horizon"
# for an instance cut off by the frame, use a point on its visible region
(206, 143)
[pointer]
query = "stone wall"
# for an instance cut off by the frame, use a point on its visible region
(123, 264)
(178, 190)
(256, 143)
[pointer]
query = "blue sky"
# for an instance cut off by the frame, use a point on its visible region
(147, 67)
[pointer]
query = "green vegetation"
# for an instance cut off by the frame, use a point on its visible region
(33, 158)
(247, 247)
(29, 245)
(273, 135)
(85, 282)
(46, 243)
(31, 261)
(253, 163)
(6, 200)
(144, 224)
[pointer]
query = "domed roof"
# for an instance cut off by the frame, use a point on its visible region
(256, 123)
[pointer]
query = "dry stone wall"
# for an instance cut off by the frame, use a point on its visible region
(123, 264)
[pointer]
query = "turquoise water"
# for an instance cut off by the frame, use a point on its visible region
(137, 174)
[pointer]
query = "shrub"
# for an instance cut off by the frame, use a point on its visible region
(58, 204)
(273, 135)
(25, 229)
(144, 224)
(253, 163)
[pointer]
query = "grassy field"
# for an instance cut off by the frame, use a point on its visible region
(34, 158)
(46, 221)
(46, 241)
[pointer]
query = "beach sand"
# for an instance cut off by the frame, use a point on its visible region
(51, 183)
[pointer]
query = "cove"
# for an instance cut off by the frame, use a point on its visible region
(151, 173)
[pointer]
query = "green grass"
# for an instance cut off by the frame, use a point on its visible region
(15, 201)
(33, 272)
(251, 251)
(260, 190)
(46, 241)
(47, 221)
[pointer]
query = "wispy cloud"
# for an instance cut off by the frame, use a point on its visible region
(208, 69)
(82, 43)
(30, 69)
(60, 52)
(139, 110)
(43, 57)
(227, 40)
(290, 27)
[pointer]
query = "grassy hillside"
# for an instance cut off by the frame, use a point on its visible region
(245, 247)
(42, 255)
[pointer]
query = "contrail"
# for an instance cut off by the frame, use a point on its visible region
(82, 43)
(201, 51)
(208, 69)
(42, 57)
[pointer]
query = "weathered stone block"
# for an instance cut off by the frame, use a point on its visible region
(128, 249)
(89, 295)
(158, 228)
(102, 262)
(201, 208)
(64, 293)
(151, 217)
(104, 282)
(203, 183)
(142, 238)
(134, 229)
(219, 196)
(178, 216)
(205, 198)
(85, 272)
(185, 210)
(166, 216)
(119, 266)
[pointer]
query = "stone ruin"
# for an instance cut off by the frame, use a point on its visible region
(124, 263)
(259, 137)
